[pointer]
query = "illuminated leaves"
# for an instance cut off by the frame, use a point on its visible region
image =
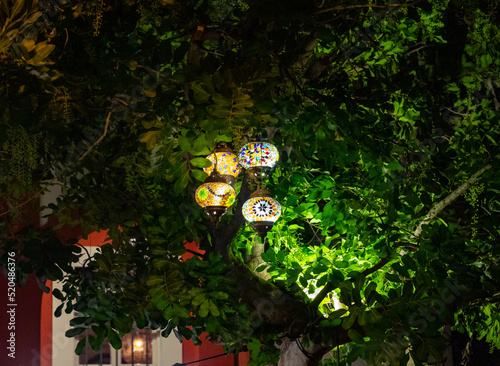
(150, 138)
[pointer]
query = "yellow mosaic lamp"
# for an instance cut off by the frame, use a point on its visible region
(225, 161)
(215, 196)
(262, 211)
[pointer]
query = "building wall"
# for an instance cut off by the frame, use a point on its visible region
(27, 324)
(39, 336)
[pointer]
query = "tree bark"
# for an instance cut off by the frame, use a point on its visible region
(292, 355)
(436, 209)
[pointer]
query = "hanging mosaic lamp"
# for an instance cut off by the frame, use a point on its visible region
(258, 158)
(225, 161)
(215, 196)
(262, 211)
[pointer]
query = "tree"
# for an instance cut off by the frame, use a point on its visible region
(386, 118)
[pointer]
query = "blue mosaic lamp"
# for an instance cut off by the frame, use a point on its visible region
(258, 158)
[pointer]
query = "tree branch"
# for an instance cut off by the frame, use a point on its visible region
(100, 138)
(495, 100)
(272, 305)
(224, 236)
(329, 287)
(434, 211)
(372, 5)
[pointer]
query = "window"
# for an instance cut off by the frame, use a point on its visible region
(137, 349)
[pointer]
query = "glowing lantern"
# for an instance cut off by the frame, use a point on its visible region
(262, 211)
(258, 158)
(215, 196)
(138, 345)
(225, 161)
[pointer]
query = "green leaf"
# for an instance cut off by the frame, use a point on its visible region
(114, 339)
(341, 264)
(409, 262)
(160, 263)
(184, 143)
(219, 295)
(58, 311)
(337, 314)
(201, 162)
(160, 301)
(336, 277)
(78, 320)
(182, 182)
(372, 316)
(81, 346)
(168, 313)
(400, 269)
(74, 332)
(322, 281)
(328, 211)
(254, 346)
(370, 292)
(224, 138)
(221, 100)
(123, 324)
(140, 319)
(168, 329)
(243, 101)
(150, 138)
(198, 300)
(362, 318)
(431, 186)
(213, 308)
(58, 294)
(104, 264)
(154, 280)
(355, 336)
(16, 9)
(348, 321)
(204, 308)
(181, 310)
(395, 165)
(219, 112)
(200, 94)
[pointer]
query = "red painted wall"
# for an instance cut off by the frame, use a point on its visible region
(27, 299)
(191, 353)
(27, 323)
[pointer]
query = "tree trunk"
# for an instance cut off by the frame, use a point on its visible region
(293, 354)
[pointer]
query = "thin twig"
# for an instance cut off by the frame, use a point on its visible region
(455, 112)
(23, 203)
(29, 199)
(100, 138)
(417, 49)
